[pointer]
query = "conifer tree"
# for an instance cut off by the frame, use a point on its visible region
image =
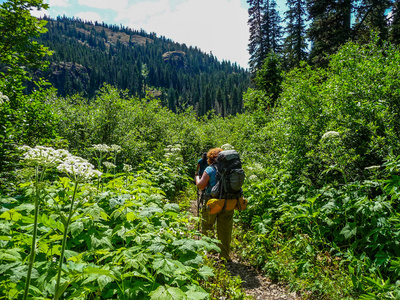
(265, 31)
(295, 46)
(394, 33)
(330, 27)
(371, 16)
(256, 41)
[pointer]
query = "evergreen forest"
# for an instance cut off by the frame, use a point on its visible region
(96, 167)
(87, 55)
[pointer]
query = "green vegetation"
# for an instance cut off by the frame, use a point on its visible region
(321, 156)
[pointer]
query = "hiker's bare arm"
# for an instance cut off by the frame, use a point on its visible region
(202, 183)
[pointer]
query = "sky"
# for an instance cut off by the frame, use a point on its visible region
(217, 26)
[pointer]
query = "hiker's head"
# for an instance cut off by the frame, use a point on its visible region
(212, 155)
(204, 156)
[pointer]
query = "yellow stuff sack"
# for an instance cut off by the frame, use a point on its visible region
(215, 206)
(242, 204)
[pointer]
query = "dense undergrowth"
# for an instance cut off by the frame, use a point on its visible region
(322, 182)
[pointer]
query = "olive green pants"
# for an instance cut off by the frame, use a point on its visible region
(224, 228)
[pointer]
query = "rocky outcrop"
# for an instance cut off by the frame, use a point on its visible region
(176, 58)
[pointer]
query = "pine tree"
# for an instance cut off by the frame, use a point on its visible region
(371, 16)
(394, 33)
(295, 46)
(265, 31)
(330, 27)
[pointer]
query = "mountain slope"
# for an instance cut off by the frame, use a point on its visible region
(88, 55)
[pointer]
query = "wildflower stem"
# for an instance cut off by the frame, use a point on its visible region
(64, 242)
(33, 246)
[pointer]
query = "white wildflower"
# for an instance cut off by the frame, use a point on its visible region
(78, 169)
(127, 168)
(372, 168)
(116, 148)
(101, 148)
(253, 178)
(3, 98)
(173, 149)
(330, 134)
(227, 147)
(109, 165)
(43, 156)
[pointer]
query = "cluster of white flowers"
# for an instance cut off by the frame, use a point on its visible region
(116, 148)
(43, 156)
(227, 147)
(173, 149)
(109, 165)
(101, 148)
(78, 169)
(253, 178)
(172, 152)
(127, 168)
(330, 134)
(75, 167)
(3, 98)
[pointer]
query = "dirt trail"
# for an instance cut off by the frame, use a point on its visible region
(254, 283)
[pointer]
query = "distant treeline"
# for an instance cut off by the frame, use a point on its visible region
(87, 55)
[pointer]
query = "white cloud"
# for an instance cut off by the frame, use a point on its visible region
(118, 5)
(219, 26)
(144, 11)
(63, 3)
(89, 16)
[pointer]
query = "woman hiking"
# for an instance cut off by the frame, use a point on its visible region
(202, 164)
(224, 218)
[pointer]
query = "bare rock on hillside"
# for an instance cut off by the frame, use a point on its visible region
(177, 58)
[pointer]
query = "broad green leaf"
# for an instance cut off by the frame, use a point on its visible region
(103, 280)
(10, 254)
(348, 231)
(197, 295)
(157, 248)
(206, 272)
(76, 228)
(61, 290)
(164, 266)
(150, 211)
(28, 207)
(92, 270)
(131, 216)
(4, 266)
(11, 215)
(195, 292)
(136, 274)
(167, 293)
(172, 207)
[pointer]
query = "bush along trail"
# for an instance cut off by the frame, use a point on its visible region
(76, 233)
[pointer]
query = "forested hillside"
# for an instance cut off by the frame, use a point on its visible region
(87, 55)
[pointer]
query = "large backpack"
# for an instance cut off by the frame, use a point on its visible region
(230, 176)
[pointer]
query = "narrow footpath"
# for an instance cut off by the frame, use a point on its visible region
(253, 283)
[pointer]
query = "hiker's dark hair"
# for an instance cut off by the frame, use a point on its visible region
(212, 155)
